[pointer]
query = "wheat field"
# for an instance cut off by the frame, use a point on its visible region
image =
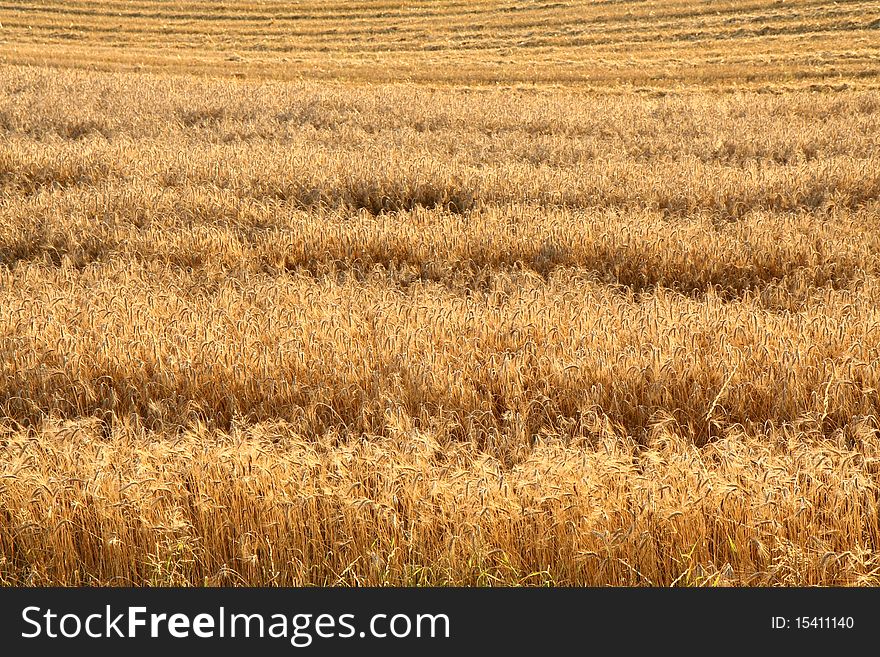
(487, 293)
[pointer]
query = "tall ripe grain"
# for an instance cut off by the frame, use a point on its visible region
(608, 329)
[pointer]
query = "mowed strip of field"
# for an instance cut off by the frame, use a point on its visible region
(315, 333)
(657, 44)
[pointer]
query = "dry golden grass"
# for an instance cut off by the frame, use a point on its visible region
(330, 326)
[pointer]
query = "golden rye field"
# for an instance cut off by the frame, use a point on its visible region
(440, 293)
